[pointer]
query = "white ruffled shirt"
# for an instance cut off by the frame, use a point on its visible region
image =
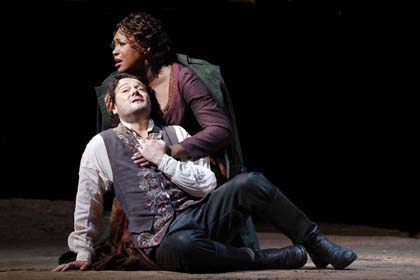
(95, 178)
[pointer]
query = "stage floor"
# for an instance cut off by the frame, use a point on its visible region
(30, 245)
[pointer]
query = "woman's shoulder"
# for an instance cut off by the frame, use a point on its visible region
(184, 70)
(185, 76)
(194, 62)
(194, 67)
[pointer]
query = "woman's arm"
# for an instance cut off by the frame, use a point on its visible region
(216, 128)
(195, 178)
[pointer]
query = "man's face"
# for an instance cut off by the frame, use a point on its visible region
(131, 98)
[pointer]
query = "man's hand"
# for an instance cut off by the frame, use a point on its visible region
(82, 265)
(153, 150)
(139, 159)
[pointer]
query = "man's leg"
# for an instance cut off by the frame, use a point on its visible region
(190, 250)
(187, 247)
(247, 236)
(252, 194)
(247, 194)
(230, 206)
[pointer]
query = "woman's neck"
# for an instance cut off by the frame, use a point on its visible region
(162, 76)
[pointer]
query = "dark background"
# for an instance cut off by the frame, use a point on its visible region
(321, 102)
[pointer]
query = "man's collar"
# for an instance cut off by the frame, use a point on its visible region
(150, 126)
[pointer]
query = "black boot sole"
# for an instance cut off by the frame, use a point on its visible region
(346, 262)
(339, 265)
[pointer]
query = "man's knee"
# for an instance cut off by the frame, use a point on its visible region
(184, 251)
(248, 179)
(252, 182)
(170, 253)
(178, 242)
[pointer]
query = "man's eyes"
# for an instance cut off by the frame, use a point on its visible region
(137, 88)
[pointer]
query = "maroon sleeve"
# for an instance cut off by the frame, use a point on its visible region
(217, 131)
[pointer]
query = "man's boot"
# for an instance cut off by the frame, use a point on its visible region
(324, 252)
(291, 257)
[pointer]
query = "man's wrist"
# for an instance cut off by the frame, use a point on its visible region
(83, 256)
(168, 165)
(178, 152)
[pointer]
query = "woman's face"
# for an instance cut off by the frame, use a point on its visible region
(126, 57)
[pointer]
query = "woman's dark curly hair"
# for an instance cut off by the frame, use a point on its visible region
(148, 32)
(156, 113)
